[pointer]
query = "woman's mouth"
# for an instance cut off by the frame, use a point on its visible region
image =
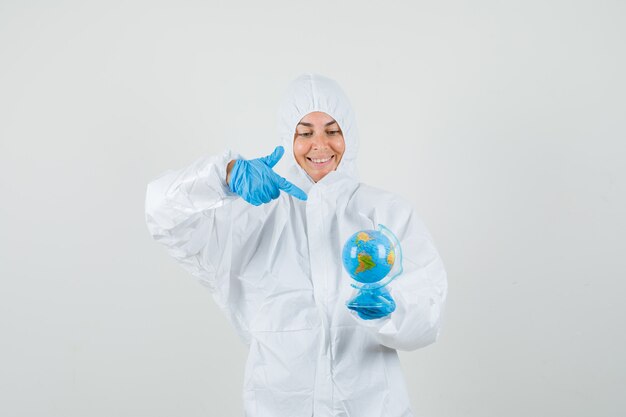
(320, 162)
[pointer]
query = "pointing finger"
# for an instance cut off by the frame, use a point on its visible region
(289, 188)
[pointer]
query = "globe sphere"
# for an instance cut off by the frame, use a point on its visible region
(368, 256)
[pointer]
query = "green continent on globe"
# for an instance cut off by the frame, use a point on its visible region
(365, 262)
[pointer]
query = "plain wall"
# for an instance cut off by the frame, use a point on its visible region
(501, 121)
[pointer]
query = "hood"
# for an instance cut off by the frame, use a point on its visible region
(308, 93)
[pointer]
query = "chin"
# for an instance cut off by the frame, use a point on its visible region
(318, 176)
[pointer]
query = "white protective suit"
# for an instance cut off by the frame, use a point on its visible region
(276, 272)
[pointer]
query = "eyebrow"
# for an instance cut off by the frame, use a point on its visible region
(311, 124)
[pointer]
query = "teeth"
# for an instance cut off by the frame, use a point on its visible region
(319, 161)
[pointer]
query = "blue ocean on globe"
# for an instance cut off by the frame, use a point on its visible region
(368, 256)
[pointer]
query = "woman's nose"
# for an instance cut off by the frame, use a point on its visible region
(320, 141)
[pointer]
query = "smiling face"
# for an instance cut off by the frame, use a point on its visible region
(318, 144)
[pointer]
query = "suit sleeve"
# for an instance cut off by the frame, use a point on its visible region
(419, 292)
(185, 211)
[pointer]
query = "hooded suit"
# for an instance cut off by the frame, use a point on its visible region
(275, 270)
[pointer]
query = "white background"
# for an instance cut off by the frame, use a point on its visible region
(501, 121)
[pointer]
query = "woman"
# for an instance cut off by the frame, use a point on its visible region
(269, 249)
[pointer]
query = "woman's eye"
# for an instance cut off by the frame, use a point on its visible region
(305, 134)
(333, 132)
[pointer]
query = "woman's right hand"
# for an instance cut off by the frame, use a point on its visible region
(256, 182)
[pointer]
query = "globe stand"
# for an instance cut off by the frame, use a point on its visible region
(375, 298)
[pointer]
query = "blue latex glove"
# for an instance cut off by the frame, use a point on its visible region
(373, 297)
(256, 182)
